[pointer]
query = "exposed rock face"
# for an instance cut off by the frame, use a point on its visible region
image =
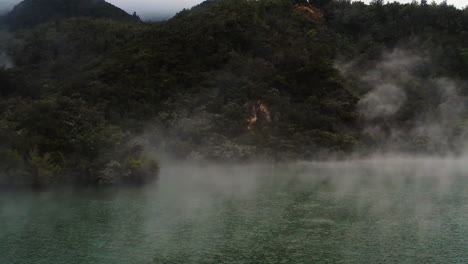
(259, 114)
(310, 13)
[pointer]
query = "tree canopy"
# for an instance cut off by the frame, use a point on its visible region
(231, 80)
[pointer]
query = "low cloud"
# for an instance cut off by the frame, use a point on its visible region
(7, 5)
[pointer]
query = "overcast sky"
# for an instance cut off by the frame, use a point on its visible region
(163, 8)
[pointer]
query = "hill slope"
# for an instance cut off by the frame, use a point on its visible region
(29, 13)
(232, 80)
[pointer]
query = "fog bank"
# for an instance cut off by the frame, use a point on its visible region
(383, 209)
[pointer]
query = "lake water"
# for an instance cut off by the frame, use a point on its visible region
(374, 211)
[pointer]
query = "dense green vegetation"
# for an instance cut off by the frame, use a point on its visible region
(227, 80)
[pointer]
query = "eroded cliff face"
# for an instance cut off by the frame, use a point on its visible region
(310, 13)
(258, 114)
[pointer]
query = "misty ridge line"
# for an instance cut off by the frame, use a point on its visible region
(149, 10)
(157, 10)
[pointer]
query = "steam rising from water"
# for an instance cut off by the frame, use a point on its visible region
(383, 101)
(384, 208)
(380, 210)
(396, 85)
(387, 78)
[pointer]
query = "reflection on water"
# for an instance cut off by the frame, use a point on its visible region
(374, 211)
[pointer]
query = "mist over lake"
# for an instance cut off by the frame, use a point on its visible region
(233, 131)
(392, 210)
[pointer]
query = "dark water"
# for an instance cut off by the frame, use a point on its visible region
(380, 211)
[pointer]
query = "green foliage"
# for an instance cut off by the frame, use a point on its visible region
(61, 136)
(83, 87)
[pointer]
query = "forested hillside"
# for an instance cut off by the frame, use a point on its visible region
(30, 13)
(85, 99)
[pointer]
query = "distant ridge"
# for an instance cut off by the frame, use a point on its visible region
(30, 13)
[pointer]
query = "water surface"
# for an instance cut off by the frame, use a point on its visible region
(375, 211)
